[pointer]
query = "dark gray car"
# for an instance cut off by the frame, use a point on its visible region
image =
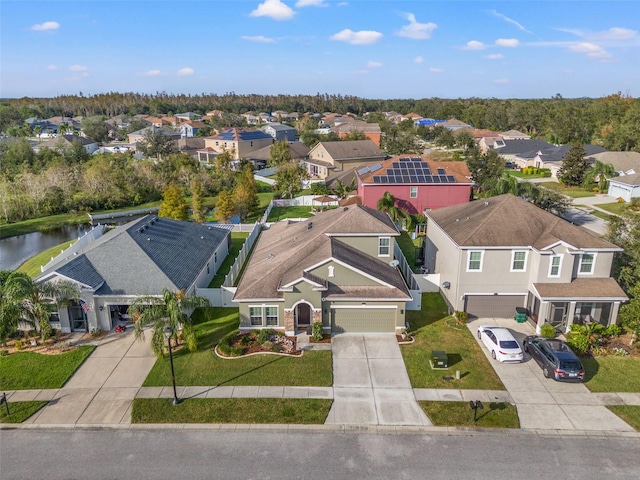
(555, 358)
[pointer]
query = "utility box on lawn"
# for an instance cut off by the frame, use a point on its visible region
(520, 315)
(439, 359)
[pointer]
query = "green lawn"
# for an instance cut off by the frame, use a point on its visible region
(204, 368)
(599, 214)
(519, 174)
(628, 413)
(280, 213)
(460, 414)
(265, 198)
(32, 266)
(231, 410)
(30, 371)
(41, 224)
(612, 374)
(237, 240)
(573, 192)
(19, 411)
(408, 248)
(616, 207)
(433, 329)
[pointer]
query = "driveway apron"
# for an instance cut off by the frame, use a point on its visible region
(370, 383)
(103, 388)
(543, 403)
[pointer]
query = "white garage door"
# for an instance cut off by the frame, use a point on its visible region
(617, 191)
(363, 320)
(493, 306)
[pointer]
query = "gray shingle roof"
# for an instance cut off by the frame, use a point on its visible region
(514, 147)
(506, 220)
(633, 180)
(352, 149)
(145, 256)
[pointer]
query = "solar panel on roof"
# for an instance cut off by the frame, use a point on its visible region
(377, 179)
(395, 165)
(376, 167)
(443, 179)
(414, 178)
(428, 179)
(421, 178)
(441, 171)
(451, 179)
(416, 159)
(384, 180)
(435, 178)
(404, 159)
(364, 170)
(405, 179)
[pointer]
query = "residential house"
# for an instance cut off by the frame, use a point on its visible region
(626, 187)
(326, 158)
(188, 116)
(417, 184)
(190, 145)
(297, 150)
(499, 253)
(370, 130)
(514, 135)
(521, 152)
(139, 135)
(625, 163)
(190, 128)
(453, 124)
(62, 142)
(236, 140)
(155, 121)
(335, 268)
(141, 258)
(553, 157)
(280, 132)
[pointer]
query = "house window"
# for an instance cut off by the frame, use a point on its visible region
(384, 246)
(518, 261)
(474, 263)
(554, 266)
(255, 315)
(586, 263)
(272, 316)
(413, 192)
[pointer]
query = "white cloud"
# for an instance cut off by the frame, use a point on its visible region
(52, 67)
(494, 56)
(183, 72)
(415, 30)
(418, 59)
(258, 39)
(509, 20)
(508, 42)
(615, 33)
(274, 9)
(45, 27)
(77, 68)
(436, 70)
(150, 73)
(474, 45)
(311, 3)
(501, 81)
(591, 49)
(363, 37)
(373, 64)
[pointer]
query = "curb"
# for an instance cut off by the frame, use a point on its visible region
(346, 429)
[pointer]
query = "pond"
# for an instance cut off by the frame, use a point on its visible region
(14, 251)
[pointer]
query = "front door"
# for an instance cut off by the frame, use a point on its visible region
(77, 318)
(303, 315)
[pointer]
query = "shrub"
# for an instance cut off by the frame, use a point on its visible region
(4, 353)
(19, 345)
(548, 331)
(224, 346)
(461, 317)
(613, 330)
(245, 340)
(578, 342)
(96, 332)
(263, 336)
(276, 347)
(268, 345)
(316, 331)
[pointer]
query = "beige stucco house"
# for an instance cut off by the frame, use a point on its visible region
(500, 253)
(336, 268)
(236, 140)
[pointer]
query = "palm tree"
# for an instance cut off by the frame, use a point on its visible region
(23, 299)
(387, 204)
(599, 173)
(166, 311)
(342, 190)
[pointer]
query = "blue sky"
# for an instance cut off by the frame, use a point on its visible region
(373, 49)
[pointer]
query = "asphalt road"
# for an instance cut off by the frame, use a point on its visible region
(194, 453)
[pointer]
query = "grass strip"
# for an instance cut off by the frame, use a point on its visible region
(31, 371)
(612, 374)
(280, 213)
(32, 266)
(460, 414)
(628, 413)
(20, 411)
(231, 410)
(433, 329)
(237, 241)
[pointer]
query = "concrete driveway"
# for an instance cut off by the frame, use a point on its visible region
(370, 383)
(543, 403)
(103, 388)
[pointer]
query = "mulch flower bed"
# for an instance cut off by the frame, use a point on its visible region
(275, 343)
(326, 338)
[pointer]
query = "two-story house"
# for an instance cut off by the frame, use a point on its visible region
(496, 254)
(416, 184)
(280, 132)
(336, 268)
(236, 140)
(327, 157)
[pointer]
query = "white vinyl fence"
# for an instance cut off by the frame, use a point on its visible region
(93, 234)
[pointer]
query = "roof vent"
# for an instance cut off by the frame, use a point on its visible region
(148, 239)
(309, 225)
(457, 219)
(486, 203)
(345, 209)
(270, 255)
(201, 238)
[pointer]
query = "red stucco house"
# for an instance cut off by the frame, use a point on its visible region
(416, 183)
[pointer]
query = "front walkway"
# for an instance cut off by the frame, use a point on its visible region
(543, 403)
